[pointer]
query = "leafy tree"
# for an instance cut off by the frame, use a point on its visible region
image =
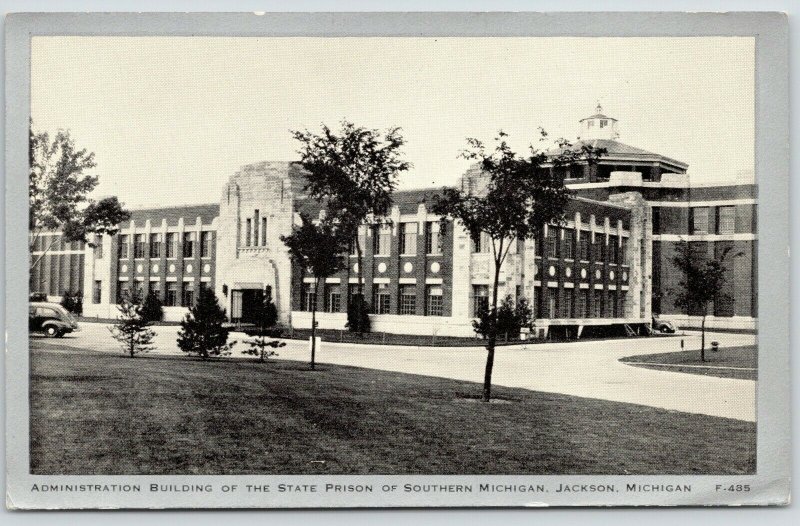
(132, 330)
(316, 249)
(58, 191)
(523, 313)
(72, 301)
(152, 308)
(266, 315)
(701, 284)
(517, 197)
(511, 317)
(354, 173)
(203, 332)
(358, 315)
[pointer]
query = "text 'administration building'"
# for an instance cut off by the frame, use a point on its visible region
(609, 265)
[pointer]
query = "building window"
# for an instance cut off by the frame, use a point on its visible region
(568, 244)
(552, 297)
(700, 220)
(382, 298)
(98, 246)
(621, 306)
(408, 299)
(566, 305)
(584, 246)
(408, 238)
(333, 298)
(603, 123)
(480, 299)
(122, 247)
(123, 291)
(598, 303)
(309, 297)
(138, 291)
(155, 289)
(255, 225)
(582, 308)
(726, 220)
(599, 248)
(139, 245)
(205, 244)
(382, 240)
(624, 251)
(434, 302)
(613, 306)
(362, 241)
(188, 244)
(97, 291)
(188, 293)
(263, 231)
(483, 245)
(172, 245)
(171, 298)
(155, 246)
(432, 243)
(656, 220)
(613, 249)
(551, 247)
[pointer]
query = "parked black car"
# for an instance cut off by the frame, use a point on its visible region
(663, 326)
(50, 318)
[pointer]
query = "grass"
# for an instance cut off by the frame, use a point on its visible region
(742, 361)
(103, 413)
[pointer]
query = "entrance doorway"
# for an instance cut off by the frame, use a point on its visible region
(245, 305)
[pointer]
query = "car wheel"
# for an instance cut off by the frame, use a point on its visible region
(52, 332)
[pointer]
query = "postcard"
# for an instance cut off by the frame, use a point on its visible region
(330, 260)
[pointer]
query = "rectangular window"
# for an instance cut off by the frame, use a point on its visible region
(480, 299)
(600, 248)
(171, 298)
(123, 290)
(98, 246)
(354, 290)
(552, 298)
(408, 299)
(622, 306)
(97, 291)
(362, 241)
(255, 225)
(309, 297)
(382, 298)
(566, 305)
(613, 249)
(138, 291)
(188, 244)
(568, 244)
(552, 242)
(484, 244)
(205, 244)
(155, 246)
(139, 244)
(584, 246)
(172, 244)
(434, 303)
(122, 247)
(188, 294)
(382, 240)
(432, 243)
(333, 298)
(582, 308)
(656, 220)
(726, 221)
(598, 303)
(263, 231)
(408, 238)
(248, 231)
(155, 289)
(613, 307)
(700, 220)
(624, 251)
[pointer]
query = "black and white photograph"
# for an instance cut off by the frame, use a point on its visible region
(341, 257)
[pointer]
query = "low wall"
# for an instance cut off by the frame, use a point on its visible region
(391, 323)
(93, 310)
(713, 322)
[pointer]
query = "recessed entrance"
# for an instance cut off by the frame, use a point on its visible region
(245, 303)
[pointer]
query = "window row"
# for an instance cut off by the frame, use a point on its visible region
(407, 239)
(566, 247)
(255, 231)
(605, 304)
(158, 244)
(176, 294)
(725, 219)
(381, 299)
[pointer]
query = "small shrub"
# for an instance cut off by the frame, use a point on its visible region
(72, 301)
(152, 308)
(358, 315)
(131, 330)
(202, 330)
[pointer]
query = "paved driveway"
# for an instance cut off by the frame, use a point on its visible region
(588, 369)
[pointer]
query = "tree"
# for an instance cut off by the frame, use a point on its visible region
(357, 315)
(72, 301)
(517, 197)
(152, 308)
(511, 317)
(701, 284)
(316, 249)
(132, 330)
(203, 332)
(354, 173)
(58, 191)
(266, 315)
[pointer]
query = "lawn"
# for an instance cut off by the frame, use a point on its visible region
(103, 413)
(730, 362)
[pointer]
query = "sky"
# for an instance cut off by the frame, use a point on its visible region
(170, 119)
